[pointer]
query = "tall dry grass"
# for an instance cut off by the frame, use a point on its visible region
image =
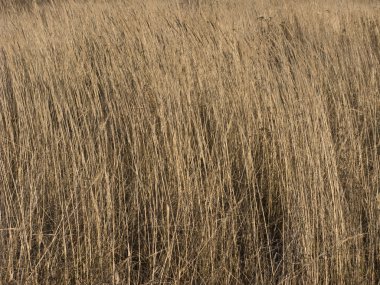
(215, 144)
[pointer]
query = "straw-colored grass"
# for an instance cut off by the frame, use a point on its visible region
(170, 143)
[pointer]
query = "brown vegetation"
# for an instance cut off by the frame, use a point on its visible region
(170, 144)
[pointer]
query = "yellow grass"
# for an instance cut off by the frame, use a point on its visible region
(227, 142)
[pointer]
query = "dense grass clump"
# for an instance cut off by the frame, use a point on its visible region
(171, 143)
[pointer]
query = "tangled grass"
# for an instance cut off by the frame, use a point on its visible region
(159, 143)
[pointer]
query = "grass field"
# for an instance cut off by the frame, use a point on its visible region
(221, 142)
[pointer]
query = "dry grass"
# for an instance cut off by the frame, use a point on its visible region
(168, 144)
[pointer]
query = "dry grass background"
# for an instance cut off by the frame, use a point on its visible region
(168, 143)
